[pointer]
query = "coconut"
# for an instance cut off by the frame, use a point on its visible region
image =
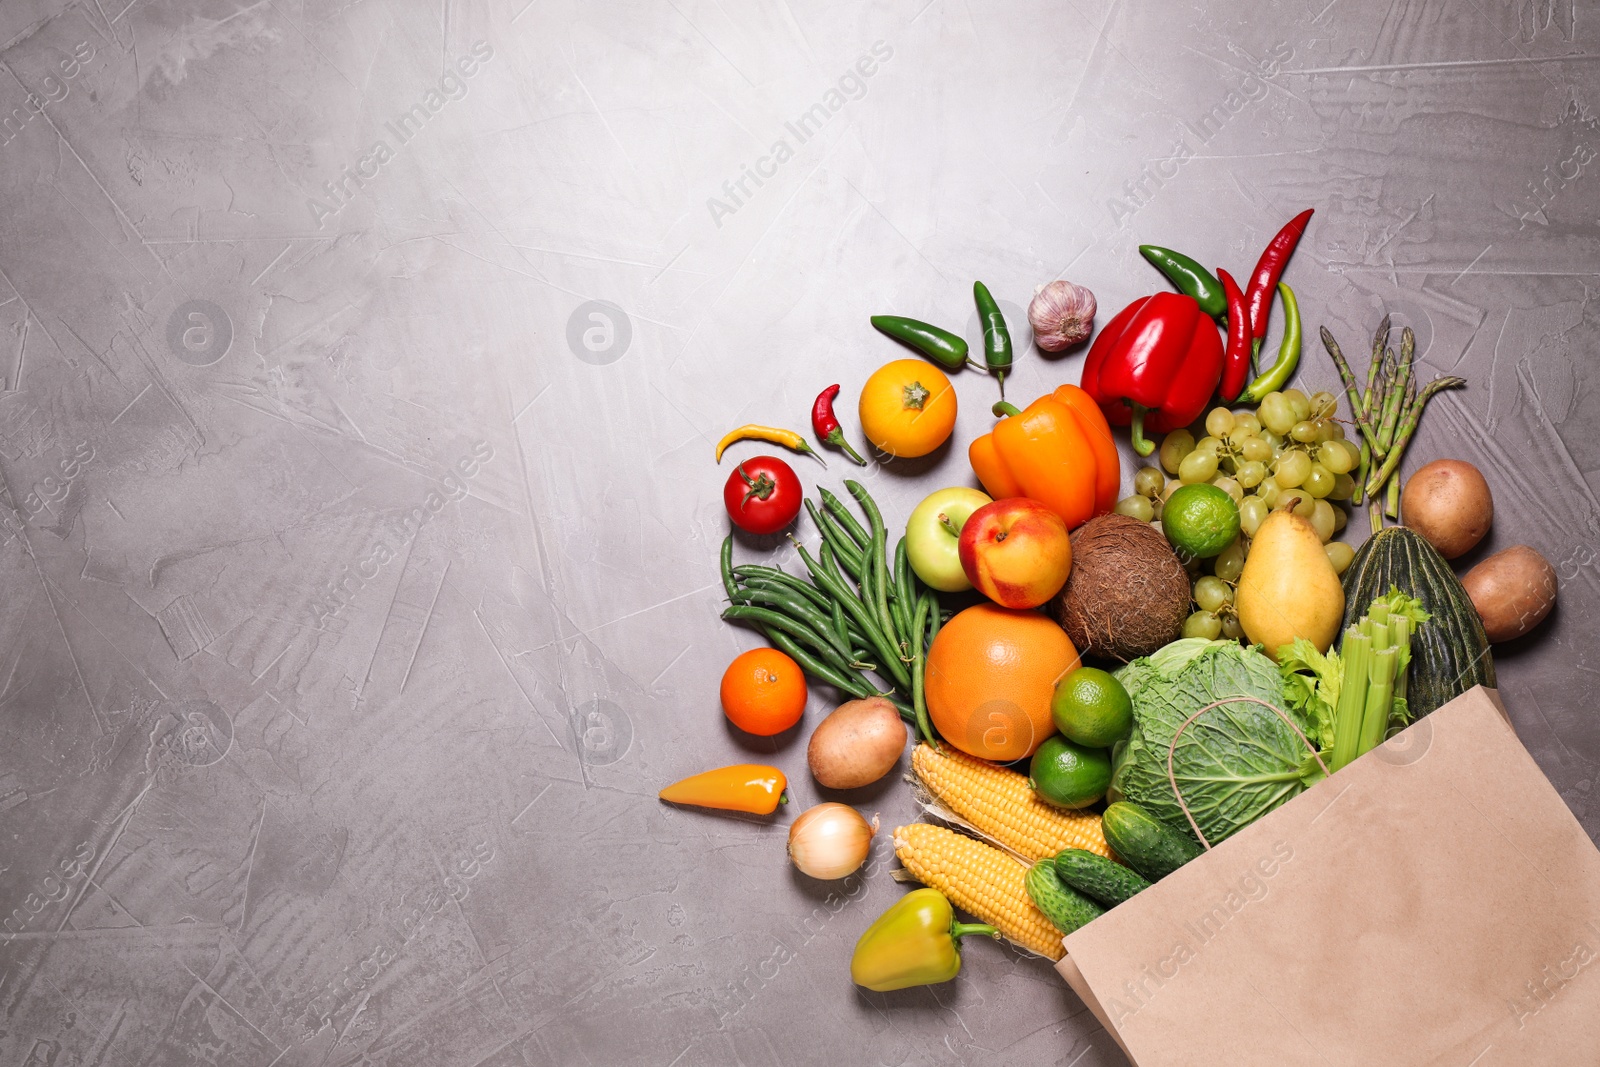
(1127, 595)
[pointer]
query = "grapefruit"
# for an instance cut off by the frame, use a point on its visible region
(990, 677)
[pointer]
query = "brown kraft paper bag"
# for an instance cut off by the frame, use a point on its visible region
(1432, 903)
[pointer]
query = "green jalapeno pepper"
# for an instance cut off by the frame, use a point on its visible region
(1189, 278)
(996, 337)
(939, 345)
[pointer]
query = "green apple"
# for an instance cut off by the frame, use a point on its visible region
(933, 536)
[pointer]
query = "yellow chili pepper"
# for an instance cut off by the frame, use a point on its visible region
(752, 432)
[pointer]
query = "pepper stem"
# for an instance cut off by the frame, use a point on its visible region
(960, 930)
(1140, 445)
(1003, 408)
(806, 448)
(835, 437)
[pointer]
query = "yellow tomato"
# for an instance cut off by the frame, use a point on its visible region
(908, 407)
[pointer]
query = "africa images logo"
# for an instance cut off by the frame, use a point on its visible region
(851, 85)
(353, 178)
(402, 530)
(55, 90)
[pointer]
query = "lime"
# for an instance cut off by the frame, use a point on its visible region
(1069, 775)
(1200, 520)
(1091, 708)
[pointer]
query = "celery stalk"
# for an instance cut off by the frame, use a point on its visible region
(1381, 637)
(1380, 698)
(1402, 643)
(1348, 716)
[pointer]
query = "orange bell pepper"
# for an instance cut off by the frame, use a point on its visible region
(1059, 452)
(750, 787)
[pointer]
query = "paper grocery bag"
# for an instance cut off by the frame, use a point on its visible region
(1433, 903)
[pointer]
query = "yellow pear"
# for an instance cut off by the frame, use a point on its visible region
(1288, 587)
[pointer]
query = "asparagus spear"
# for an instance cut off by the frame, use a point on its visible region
(1408, 426)
(1380, 344)
(1397, 390)
(1349, 379)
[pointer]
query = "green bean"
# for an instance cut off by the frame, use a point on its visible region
(878, 597)
(847, 522)
(855, 685)
(848, 554)
(935, 620)
(919, 704)
(794, 627)
(902, 604)
(752, 573)
(830, 561)
(806, 613)
(840, 625)
(730, 586)
(862, 617)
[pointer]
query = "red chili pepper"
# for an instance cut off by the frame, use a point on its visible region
(1160, 355)
(827, 425)
(1236, 357)
(1264, 282)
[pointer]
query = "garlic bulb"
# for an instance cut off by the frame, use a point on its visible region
(830, 840)
(1062, 314)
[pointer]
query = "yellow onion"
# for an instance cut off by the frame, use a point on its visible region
(830, 840)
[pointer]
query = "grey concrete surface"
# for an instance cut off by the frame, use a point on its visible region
(361, 367)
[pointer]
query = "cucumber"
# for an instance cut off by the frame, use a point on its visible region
(1149, 845)
(1098, 878)
(1065, 907)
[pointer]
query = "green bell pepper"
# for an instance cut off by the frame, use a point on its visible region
(914, 943)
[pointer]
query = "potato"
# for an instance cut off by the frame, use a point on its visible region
(1513, 591)
(857, 744)
(1449, 504)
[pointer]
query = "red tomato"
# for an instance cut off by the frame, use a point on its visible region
(762, 495)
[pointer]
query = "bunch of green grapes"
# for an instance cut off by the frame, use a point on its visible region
(1289, 453)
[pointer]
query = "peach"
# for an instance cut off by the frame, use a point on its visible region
(1016, 552)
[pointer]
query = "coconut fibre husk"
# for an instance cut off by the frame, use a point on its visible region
(1127, 595)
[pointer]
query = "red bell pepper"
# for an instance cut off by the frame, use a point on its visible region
(1155, 366)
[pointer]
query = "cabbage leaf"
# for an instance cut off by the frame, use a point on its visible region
(1234, 763)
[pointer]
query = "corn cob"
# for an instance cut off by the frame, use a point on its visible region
(1001, 805)
(979, 879)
